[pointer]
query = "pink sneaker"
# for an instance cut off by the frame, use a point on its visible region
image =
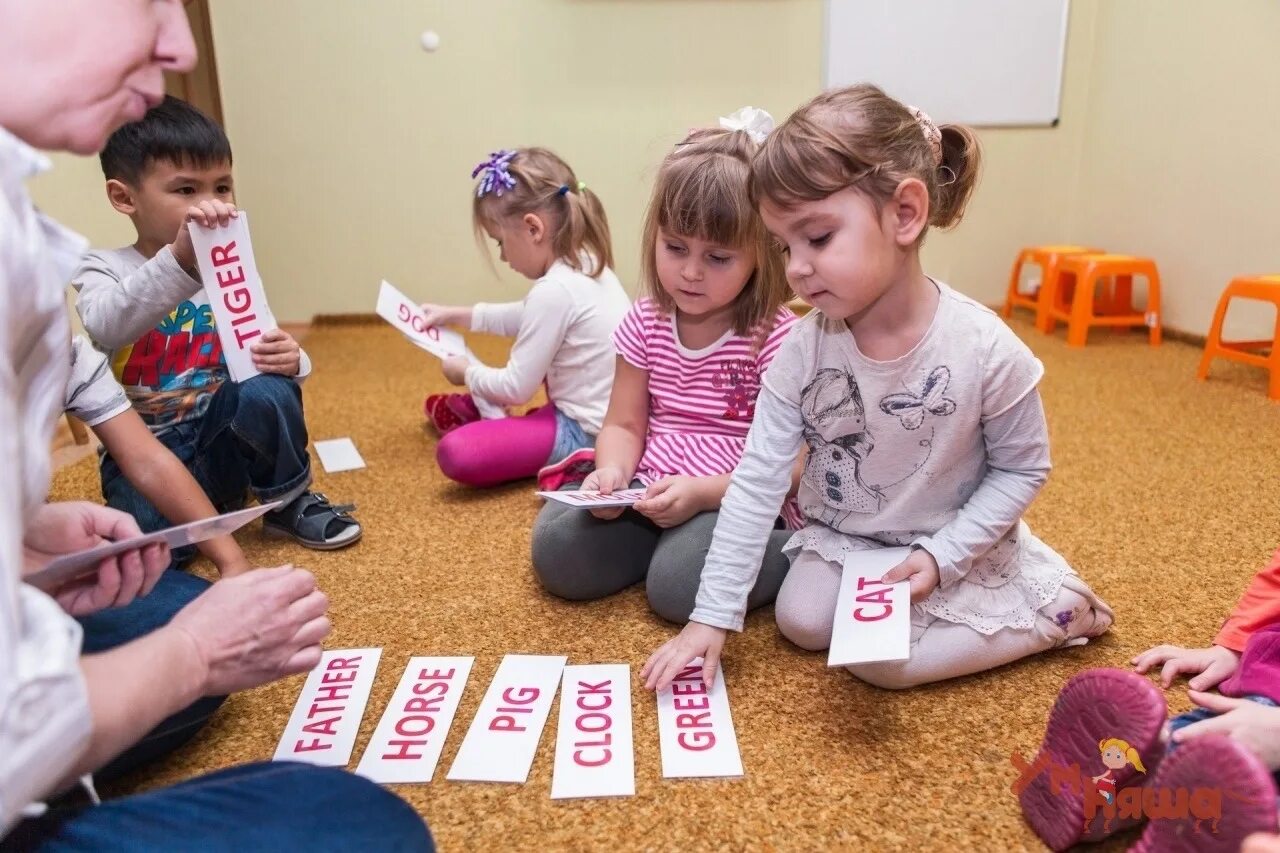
(1229, 795)
(1094, 707)
(447, 412)
(569, 471)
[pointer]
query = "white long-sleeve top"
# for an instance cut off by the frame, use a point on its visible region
(44, 706)
(564, 335)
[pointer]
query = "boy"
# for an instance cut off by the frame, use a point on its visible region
(145, 307)
(96, 398)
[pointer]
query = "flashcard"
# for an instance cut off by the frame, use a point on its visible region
(594, 499)
(339, 454)
(594, 754)
(322, 728)
(403, 313)
(411, 734)
(234, 288)
(695, 729)
(71, 566)
(503, 738)
(873, 620)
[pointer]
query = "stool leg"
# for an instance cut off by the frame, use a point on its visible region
(1014, 278)
(1081, 309)
(1213, 342)
(1273, 388)
(1044, 299)
(1153, 307)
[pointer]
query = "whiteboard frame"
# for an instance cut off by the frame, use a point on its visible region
(825, 70)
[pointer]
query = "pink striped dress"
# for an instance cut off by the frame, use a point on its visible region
(701, 402)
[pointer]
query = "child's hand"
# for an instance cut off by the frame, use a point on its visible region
(277, 352)
(446, 315)
(672, 501)
(1214, 664)
(1261, 842)
(696, 640)
(1254, 726)
(455, 369)
(607, 481)
(922, 570)
(208, 213)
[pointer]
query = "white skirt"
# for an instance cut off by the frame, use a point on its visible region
(1006, 587)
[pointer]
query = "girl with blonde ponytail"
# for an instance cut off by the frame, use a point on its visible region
(549, 227)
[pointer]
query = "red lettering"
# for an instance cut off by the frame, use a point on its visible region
(331, 677)
(403, 751)
(693, 721)
(504, 724)
(331, 709)
(526, 694)
(403, 313)
(417, 703)
(436, 674)
(324, 727)
(226, 279)
(698, 686)
(582, 725)
(582, 703)
(237, 300)
(176, 352)
(221, 255)
(690, 673)
(341, 663)
(311, 747)
(142, 368)
(333, 693)
(424, 689)
(605, 759)
(857, 614)
(691, 703)
(242, 336)
(603, 687)
(697, 741)
(428, 723)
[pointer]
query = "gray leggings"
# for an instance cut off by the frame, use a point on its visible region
(579, 557)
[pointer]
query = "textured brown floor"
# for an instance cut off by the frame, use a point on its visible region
(1165, 496)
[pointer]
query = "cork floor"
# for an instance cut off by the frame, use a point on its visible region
(1165, 496)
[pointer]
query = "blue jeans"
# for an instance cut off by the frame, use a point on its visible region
(570, 436)
(252, 438)
(1195, 715)
(110, 628)
(265, 806)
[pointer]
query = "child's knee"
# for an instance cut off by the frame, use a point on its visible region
(672, 589)
(804, 627)
(554, 554)
(267, 393)
(889, 675)
(458, 460)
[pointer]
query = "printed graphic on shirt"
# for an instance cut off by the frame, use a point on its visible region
(738, 379)
(172, 371)
(841, 444)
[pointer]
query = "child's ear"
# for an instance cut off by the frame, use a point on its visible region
(910, 211)
(537, 228)
(121, 197)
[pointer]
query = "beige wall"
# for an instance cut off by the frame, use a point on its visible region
(353, 146)
(1180, 155)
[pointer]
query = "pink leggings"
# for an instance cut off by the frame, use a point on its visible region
(489, 453)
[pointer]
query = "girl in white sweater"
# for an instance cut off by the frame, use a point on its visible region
(552, 230)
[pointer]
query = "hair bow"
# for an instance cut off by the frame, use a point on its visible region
(756, 123)
(497, 179)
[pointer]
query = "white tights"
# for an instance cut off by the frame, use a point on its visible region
(939, 649)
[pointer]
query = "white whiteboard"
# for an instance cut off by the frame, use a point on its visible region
(981, 62)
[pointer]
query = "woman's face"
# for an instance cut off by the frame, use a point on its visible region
(75, 70)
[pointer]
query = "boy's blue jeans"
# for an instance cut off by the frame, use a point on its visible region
(1195, 715)
(252, 438)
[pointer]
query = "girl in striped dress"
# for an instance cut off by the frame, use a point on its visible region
(691, 353)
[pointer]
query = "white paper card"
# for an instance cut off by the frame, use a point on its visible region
(339, 454)
(594, 753)
(593, 499)
(695, 730)
(411, 734)
(322, 728)
(234, 288)
(403, 313)
(71, 566)
(503, 738)
(873, 620)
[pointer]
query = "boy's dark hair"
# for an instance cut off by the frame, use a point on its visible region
(174, 131)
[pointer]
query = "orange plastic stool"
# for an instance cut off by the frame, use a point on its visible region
(1265, 288)
(1073, 302)
(1045, 257)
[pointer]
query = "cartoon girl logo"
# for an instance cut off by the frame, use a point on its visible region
(1116, 755)
(835, 428)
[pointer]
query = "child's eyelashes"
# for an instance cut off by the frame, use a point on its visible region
(720, 259)
(676, 249)
(819, 242)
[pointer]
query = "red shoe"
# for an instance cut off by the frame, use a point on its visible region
(447, 412)
(1229, 794)
(1093, 707)
(569, 471)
